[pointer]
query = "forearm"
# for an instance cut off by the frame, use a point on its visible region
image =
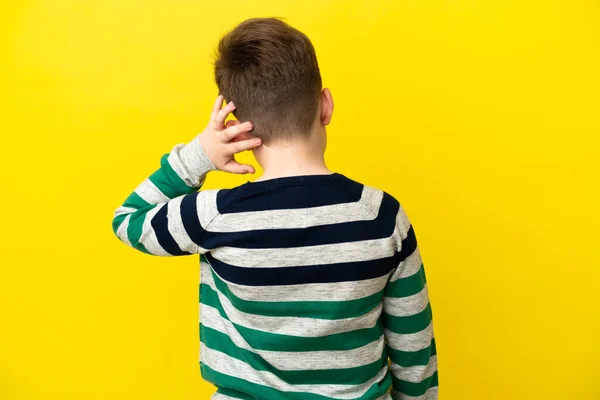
(182, 172)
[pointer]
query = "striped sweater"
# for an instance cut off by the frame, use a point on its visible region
(312, 287)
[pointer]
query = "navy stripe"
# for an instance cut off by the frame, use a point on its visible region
(189, 217)
(409, 245)
(160, 223)
(300, 192)
(325, 273)
(378, 228)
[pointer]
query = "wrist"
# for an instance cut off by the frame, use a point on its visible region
(196, 161)
(204, 144)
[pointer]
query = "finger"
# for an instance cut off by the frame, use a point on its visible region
(236, 168)
(216, 107)
(242, 136)
(233, 131)
(238, 147)
(231, 122)
(222, 114)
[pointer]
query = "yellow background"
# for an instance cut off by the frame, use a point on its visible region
(482, 117)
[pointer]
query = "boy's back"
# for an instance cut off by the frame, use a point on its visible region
(309, 283)
(292, 296)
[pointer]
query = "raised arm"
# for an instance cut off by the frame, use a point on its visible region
(165, 216)
(408, 321)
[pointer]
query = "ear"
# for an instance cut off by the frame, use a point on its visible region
(326, 107)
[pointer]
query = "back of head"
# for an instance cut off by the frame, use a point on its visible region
(270, 71)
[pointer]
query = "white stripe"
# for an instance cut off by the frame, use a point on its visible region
(227, 365)
(408, 267)
(122, 231)
(296, 360)
(335, 291)
(371, 198)
(410, 341)
(431, 394)
(301, 218)
(402, 223)
(206, 205)
(148, 237)
(417, 373)
(150, 193)
(176, 228)
(296, 326)
(190, 162)
(124, 210)
(191, 178)
(365, 250)
(405, 306)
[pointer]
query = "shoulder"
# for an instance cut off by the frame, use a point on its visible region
(379, 202)
(205, 206)
(212, 203)
(386, 206)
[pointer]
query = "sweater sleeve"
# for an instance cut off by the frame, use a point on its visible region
(408, 321)
(166, 214)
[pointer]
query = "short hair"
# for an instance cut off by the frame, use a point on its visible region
(270, 72)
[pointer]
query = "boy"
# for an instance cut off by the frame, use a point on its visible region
(312, 285)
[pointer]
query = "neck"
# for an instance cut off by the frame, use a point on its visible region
(293, 158)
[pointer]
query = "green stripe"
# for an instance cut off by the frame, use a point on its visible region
(412, 358)
(416, 389)
(142, 248)
(409, 324)
(330, 310)
(264, 392)
(347, 376)
(277, 342)
(135, 201)
(117, 221)
(134, 229)
(408, 286)
(168, 182)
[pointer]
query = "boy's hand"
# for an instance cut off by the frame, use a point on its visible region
(222, 142)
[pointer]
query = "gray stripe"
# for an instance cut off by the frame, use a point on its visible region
(301, 218)
(124, 210)
(191, 163)
(206, 205)
(176, 228)
(296, 360)
(294, 326)
(408, 267)
(148, 237)
(402, 223)
(405, 306)
(415, 374)
(410, 341)
(336, 291)
(227, 365)
(309, 255)
(150, 193)
(371, 199)
(122, 230)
